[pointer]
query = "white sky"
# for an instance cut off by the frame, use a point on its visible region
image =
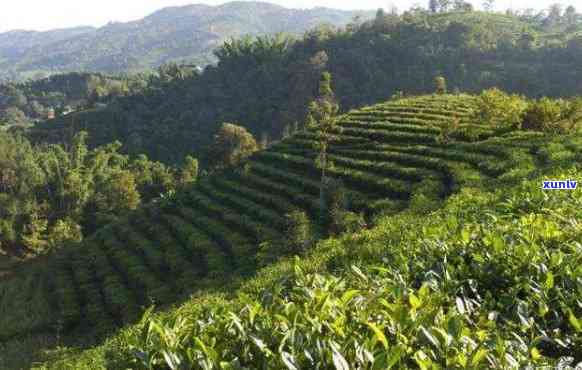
(50, 14)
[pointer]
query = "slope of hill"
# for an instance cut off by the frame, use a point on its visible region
(37, 100)
(390, 157)
(490, 281)
(14, 43)
(188, 33)
(265, 85)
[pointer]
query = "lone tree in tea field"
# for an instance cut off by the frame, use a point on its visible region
(321, 116)
(232, 144)
(440, 85)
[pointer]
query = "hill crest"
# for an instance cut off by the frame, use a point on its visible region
(185, 33)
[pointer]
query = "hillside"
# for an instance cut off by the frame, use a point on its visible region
(188, 34)
(265, 85)
(24, 103)
(398, 162)
(14, 43)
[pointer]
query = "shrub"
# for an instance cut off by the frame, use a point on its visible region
(298, 238)
(542, 114)
(64, 231)
(332, 200)
(553, 115)
(232, 144)
(572, 116)
(298, 232)
(440, 85)
(447, 129)
(426, 196)
(498, 109)
(190, 170)
(349, 222)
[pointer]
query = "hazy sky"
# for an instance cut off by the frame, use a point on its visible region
(45, 14)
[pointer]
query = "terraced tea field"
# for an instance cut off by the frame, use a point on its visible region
(385, 155)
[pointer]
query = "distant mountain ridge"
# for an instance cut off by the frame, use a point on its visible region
(16, 42)
(186, 33)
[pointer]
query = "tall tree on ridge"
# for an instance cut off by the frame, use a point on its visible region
(322, 117)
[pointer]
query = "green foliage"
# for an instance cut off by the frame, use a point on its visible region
(32, 101)
(424, 276)
(448, 130)
(298, 237)
(232, 144)
(545, 115)
(122, 193)
(321, 117)
(511, 111)
(500, 110)
(298, 233)
(176, 34)
(426, 197)
(50, 195)
(190, 171)
(12, 116)
(440, 85)
(471, 286)
(153, 178)
(64, 231)
(266, 83)
(333, 202)
(349, 222)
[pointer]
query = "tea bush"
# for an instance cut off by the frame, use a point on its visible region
(543, 114)
(498, 109)
(489, 281)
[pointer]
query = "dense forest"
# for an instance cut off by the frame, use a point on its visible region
(175, 34)
(25, 103)
(51, 195)
(265, 84)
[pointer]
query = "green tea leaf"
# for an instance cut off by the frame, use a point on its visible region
(422, 360)
(339, 361)
(478, 356)
(414, 301)
(549, 284)
(535, 354)
(394, 356)
(379, 335)
(347, 296)
(574, 321)
(431, 338)
(289, 361)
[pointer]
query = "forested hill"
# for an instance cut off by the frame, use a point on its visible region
(22, 104)
(15, 42)
(265, 85)
(172, 34)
